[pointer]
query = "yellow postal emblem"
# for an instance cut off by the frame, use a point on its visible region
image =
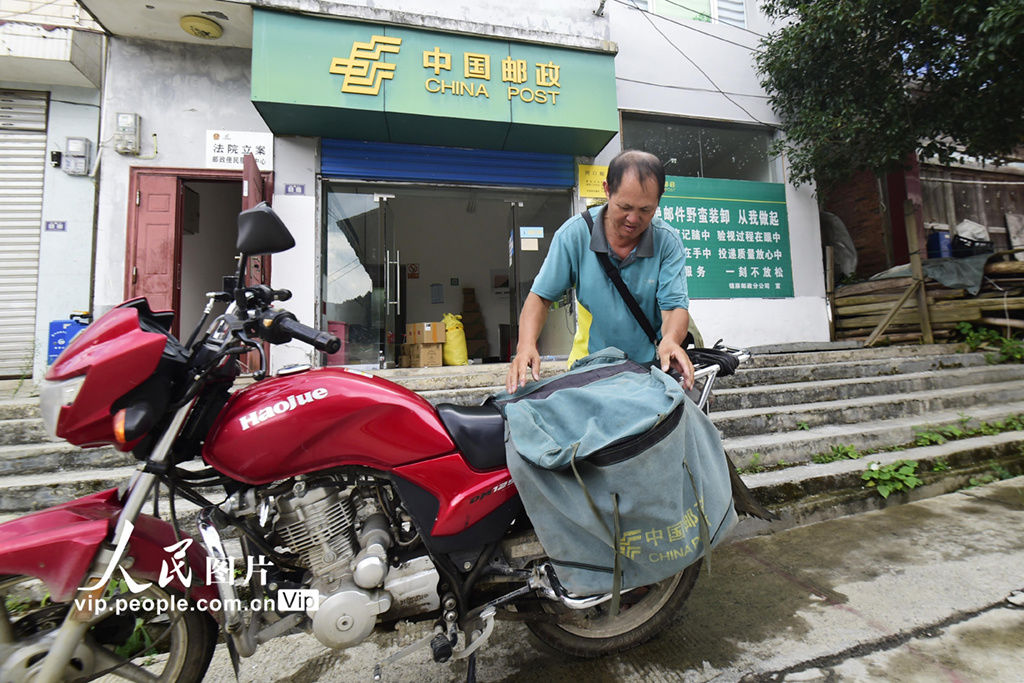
(363, 70)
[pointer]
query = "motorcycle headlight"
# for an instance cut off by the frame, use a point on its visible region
(55, 395)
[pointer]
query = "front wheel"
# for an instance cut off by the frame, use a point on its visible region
(151, 639)
(643, 614)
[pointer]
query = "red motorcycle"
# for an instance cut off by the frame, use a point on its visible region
(343, 502)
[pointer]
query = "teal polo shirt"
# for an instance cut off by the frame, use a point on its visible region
(654, 271)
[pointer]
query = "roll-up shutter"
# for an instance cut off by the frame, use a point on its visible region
(420, 163)
(22, 161)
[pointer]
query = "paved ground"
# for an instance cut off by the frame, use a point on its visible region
(914, 592)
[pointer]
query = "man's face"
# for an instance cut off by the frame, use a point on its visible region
(631, 208)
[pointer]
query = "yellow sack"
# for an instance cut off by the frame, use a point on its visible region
(455, 341)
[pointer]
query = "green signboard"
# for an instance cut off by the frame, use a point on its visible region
(736, 235)
(332, 78)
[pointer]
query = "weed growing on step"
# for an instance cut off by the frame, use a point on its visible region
(998, 473)
(1004, 349)
(803, 426)
(836, 453)
(892, 478)
(16, 605)
(962, 430)
(754, 467)
(940, 466)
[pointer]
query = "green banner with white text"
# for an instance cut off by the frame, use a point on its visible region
(736, 234)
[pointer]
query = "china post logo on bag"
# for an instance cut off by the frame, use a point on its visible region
(363, 70)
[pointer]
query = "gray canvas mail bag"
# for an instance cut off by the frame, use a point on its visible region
(624, 479)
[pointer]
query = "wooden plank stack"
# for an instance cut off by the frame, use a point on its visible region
(859, 307)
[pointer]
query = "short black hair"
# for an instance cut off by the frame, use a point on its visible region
(646, 165)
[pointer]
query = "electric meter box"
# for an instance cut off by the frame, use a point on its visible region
(126, 133)
(75, 160)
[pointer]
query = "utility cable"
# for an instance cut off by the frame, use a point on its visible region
(697, 66)
(683, 87)
(647, 13)
(713, 19)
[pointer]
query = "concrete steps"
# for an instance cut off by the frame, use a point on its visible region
(779, 408)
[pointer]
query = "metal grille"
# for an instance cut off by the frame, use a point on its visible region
(22, 162)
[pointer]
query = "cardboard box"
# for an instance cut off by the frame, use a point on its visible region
(425, 355)
(425, 333)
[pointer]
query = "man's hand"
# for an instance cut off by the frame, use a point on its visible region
(673, 356)
(531, 322)
(526, 360)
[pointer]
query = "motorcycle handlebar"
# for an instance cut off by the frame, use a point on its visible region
(318, 339)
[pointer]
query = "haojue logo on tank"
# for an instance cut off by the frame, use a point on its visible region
(285, 405)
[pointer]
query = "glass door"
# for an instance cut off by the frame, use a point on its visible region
(360, 283)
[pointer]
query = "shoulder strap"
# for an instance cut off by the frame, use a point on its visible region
(613, 274)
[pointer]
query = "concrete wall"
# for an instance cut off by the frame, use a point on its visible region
(180, 92)
(296, 161)
(65, 258)
(705, 71)
(571, 23)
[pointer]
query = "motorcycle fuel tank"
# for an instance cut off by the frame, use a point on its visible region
(313, 420)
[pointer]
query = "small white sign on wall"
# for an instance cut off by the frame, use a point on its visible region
(226, 148)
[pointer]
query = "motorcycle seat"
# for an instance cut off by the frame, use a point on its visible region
(478, 432)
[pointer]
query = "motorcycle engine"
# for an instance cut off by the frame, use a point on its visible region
(349, 568)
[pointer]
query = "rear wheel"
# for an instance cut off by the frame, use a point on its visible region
(155, 641)
(643, 614)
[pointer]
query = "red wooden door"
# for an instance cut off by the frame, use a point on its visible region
(257, 271)
(154, 248)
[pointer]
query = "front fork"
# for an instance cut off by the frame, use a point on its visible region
(78, 621)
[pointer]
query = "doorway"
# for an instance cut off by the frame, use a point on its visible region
(182, 227)
(398, 254)
(209, 229)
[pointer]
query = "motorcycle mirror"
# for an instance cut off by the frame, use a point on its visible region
(260, 231)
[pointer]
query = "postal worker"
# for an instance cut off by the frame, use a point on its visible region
(648, 255)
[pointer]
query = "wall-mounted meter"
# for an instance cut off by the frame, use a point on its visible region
(76, 156)
(126, 134)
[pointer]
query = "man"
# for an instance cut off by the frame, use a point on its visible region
(650, 257)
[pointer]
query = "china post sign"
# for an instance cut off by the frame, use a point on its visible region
(341, 79)
(736, 236)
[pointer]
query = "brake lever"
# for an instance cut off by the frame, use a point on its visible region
(248, 341)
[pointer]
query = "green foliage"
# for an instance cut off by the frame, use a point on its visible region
(892, 478)
(1005, 349)
(754, 467)
(998, 473)
(963, 430)
(803, 426)
(860, 84)
(837, 452)
(940, 466)
(137, 642)
(16, 604)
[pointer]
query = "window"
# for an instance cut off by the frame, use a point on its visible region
(703, 149)
(715, 11)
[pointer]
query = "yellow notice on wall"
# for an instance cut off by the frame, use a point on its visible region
(592, 180)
